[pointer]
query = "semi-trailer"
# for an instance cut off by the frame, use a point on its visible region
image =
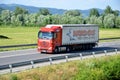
(67, 37)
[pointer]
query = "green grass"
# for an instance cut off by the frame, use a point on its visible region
(18, 35)
(103, 68)
(109, 33)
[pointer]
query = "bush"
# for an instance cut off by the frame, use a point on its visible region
(107, 68)
(13, 77)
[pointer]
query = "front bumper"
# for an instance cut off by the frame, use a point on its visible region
(45, 50)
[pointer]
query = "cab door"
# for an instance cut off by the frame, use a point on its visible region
(58, 37)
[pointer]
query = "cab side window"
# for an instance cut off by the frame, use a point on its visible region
(55, 35)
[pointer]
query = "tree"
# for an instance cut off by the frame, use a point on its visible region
(56, 19)
(65, 19)
(116, 12)
(73, 12)
(41, 20)
(94, 12)
(13, 20)
(6, 17)
(32, 19)
(76, 20)
(17, 20)
(108, 10)
(1, 9)
(44, 11)
(91, 20)
(109, 21)
(100, 21)
(117, 22)
(19, 10)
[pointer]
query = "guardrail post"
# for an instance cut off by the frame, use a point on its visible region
(50, 59)
(80, 56)
(32, 63)
(116, 51)
(66, 58)
(10, 66)
(105, 52)
(93, 53)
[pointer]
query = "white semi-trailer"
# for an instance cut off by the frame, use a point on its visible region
(55, 38)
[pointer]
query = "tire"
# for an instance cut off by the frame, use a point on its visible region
(56, 50)
(83, 47)
(67, 49)
(87, 46)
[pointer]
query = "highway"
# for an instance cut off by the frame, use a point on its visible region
(10, 57)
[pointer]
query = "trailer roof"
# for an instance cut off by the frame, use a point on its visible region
(71, 25)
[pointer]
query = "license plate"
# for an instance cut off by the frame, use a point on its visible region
(44, 51)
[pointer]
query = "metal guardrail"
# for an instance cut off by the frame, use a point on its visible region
(109, 38)
(21, 45)
(24, 45)
(51, 59)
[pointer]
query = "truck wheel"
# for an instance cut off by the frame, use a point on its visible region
(56, 50)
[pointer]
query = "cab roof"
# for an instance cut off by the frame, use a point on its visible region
(50, 29)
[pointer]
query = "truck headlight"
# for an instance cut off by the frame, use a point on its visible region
(39, 47)
(50, 48)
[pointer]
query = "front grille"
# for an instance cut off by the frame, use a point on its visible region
(44, 44)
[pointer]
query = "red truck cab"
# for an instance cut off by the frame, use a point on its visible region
(49, 38)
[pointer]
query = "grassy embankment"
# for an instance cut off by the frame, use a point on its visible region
(28, 35)
(103, 68)
(109, 33)
(18, 35)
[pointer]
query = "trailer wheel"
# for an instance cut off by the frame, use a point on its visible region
(90, 46)
(68, 49)
(87, 46)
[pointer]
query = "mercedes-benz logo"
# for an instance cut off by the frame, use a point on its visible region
(44, 43)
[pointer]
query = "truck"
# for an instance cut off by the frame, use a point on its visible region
(55, 38)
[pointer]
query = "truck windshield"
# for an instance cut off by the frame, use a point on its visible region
(45, 35)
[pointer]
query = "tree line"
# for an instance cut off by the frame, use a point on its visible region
(21, 17)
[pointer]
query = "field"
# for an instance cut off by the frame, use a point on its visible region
(109, 33)
(18, 35)
(28, 35)
(103, 68)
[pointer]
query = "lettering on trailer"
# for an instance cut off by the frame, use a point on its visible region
(81, 34)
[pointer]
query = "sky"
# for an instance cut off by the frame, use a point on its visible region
(67, 4)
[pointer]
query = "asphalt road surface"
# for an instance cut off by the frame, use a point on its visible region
(9, 57)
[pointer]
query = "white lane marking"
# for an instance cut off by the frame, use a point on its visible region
(16, 55)
(19, 50)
